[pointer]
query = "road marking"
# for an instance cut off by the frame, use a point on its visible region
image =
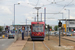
(33, 46)
(46, 45)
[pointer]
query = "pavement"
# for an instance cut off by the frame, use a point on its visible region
(18, 45)
(4, 43)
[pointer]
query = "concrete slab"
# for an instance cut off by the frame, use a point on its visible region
(18, 45)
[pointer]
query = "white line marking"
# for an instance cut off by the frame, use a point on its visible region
(33, 46)
(46, 45)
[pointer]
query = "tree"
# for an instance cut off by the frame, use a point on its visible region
(1, 28)
(56, 28)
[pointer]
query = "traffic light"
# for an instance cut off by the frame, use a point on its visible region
(50, 29)
(72, 29)
(60, 24)
(6, 28)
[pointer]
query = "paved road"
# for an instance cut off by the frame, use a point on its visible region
(4, 43)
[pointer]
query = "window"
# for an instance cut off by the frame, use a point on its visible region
(37, 27)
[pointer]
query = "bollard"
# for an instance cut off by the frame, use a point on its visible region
(71, 34)
(3, 36)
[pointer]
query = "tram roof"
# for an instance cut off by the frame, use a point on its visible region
(66, 19)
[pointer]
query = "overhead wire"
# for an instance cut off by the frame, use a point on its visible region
(46, 4)
(48, 1)
(64, 7)
(60, 1)
(37, 2)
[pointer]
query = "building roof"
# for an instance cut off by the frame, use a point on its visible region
(20, 25)
(66, 19)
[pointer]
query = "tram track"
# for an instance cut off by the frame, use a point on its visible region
(34, 48)
(35, 45)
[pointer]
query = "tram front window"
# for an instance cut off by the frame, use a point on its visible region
(37, 27)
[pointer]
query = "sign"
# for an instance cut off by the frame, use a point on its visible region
(64, 25)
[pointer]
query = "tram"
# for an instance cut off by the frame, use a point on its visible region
(37, 30)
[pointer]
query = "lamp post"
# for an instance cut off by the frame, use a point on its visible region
(68, 17)
(14, 13)
(37, 11)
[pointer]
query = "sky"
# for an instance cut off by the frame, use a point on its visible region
(25, 10)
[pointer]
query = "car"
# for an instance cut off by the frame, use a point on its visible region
(11, 35)
(74, 33)
(0, 33)
(64, 33)
(57, 33)
(0, 37)
(54, 33)
(69, 34)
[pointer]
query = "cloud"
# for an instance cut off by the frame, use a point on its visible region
(25, 10)
(29, 16)
(5, 10)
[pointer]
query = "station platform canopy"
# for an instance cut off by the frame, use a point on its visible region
(66, 19)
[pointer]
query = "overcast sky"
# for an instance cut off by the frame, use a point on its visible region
(26, 9)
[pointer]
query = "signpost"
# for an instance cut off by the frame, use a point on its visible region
(60, 25)
(48, 32)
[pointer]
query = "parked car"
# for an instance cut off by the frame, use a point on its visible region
(54, 33)
(74, 34)
(0, 37)
(69, 34)
(57, 33)
(64, 33)
(11, 35)
(0, 33)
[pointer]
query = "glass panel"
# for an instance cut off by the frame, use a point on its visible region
(37, 27)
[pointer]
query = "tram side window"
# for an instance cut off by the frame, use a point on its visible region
(37, 27)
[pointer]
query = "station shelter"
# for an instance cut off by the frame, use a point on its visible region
(19, 29)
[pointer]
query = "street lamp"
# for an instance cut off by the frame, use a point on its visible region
(14, 13)
(68, 17)
(68, 13)
(37, 8)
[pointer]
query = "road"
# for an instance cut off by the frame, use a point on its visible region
(73, 36)
(4, 43)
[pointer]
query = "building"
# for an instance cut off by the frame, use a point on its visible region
(70, 24)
